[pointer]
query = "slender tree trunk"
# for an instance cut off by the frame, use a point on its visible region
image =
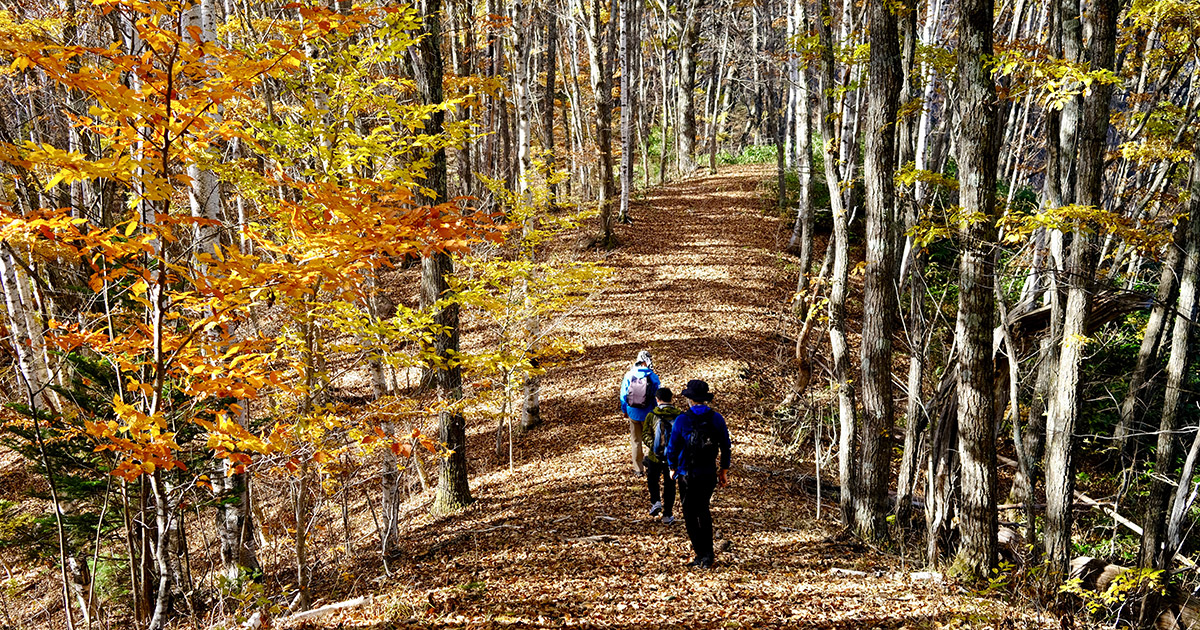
(978, 152)
(453, 490)
(689, 41)
(1156, 552)
(840, 272)
(802, 231)
(942, 478)
(1185, 497)
(879, 289)
(1060, 430)
(915, 418)
(600, 89)
(164, 526)
(521, 80)
(627, 53)
(551, 64)
(910, 271)
(1136, 397)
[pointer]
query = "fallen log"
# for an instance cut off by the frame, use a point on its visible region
(918, 576)
(1180, 612)
(328, 609)
(1116, 516)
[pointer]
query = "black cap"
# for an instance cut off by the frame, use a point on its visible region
(697, 391)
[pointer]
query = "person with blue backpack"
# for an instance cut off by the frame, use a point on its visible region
(656, 432)
(637, 399)
(699, 437)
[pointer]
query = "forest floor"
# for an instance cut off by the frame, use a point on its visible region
(563, 538)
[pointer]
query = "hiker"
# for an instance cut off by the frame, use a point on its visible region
(698, 437)
(637, 399)
(656, 432)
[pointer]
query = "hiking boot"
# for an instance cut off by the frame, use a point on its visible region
(668, 519)
(705, 563)
(693, 563)
(656, 508)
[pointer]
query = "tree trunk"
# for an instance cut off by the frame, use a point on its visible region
(205, 189)
(802, 231)
(389, 543)
(627, 52)
(879, 290)
(978, 153)
(551, 64)
(1136, 397)
(1155, 551)
(519, 13)
(915, 418)
(164, 526)
(1060, 430)
(689, 41)
(942, 478)
(603, 96)
(837, 289)
(453, 490)
(1185, 497)
(910, 271)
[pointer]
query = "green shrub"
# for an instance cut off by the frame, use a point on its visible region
(754, 154)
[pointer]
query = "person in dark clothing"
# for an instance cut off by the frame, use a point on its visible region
(656, 432)
(699, 436)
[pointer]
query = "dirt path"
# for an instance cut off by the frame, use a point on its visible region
(564, 539)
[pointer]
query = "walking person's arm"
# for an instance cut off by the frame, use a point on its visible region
(726, 448)
(621, 396)
(675, 445)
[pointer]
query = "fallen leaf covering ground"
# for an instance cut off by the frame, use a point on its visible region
(564, 538)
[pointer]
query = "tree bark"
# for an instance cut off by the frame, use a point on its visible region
(1155, 551)
(521, 80)
(603, 96)
(978, 153)
(1060, 429)
(689, 41)
(1064, 410)
(453, 490)
(628, 50)
(802, 231)
(551, 64)
(837, 289)
(1136, 397)
(879, 289)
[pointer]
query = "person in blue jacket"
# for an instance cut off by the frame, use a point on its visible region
(699, 474)
(642, 368)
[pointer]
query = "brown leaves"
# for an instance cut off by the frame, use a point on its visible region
(564, 540)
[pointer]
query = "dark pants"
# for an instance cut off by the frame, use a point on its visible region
(655, 470)
(696, 492)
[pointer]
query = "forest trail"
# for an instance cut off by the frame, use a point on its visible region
(564, 539)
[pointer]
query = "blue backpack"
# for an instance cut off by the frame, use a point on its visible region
(662, 433)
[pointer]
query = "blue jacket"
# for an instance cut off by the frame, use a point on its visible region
(683, 427)
(636, 414)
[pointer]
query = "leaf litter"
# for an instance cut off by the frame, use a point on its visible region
(564, 539)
